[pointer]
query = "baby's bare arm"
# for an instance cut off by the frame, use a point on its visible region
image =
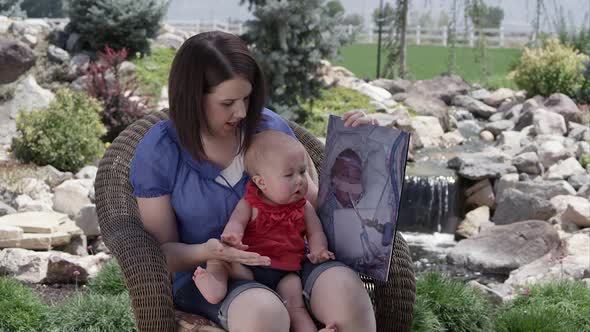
(318, 244)
(234, 229)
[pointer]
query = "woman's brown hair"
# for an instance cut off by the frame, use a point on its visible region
(201, 63)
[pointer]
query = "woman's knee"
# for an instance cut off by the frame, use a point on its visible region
(258, 309)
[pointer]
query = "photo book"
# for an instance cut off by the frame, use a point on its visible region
(360, 192)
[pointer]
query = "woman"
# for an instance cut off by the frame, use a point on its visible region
(188, 175)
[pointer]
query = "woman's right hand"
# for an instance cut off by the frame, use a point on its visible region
(218, 250)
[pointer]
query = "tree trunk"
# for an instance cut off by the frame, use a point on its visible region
(402, 42)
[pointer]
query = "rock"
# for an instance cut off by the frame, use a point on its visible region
(127, 68)
(577, 181)
(528, 162)
(486, 171)
(480, 194)
(71, 196)
(567, 262)
(548, 123)
(480, 94)
(50, 267)
(393, 86)
(492, 295)
(584, 191)
(510, 140)
(10, 233)
(57, 54)
(443, 87)
(427, 131)
(517, 206)
(582, 148)
(373, 92)
(498, 127)
(561, 202)
(501, 249)
(486, 136)
(552, 152)
(452, 138)
(563, 105)
(474, 106)
(87, 220)
(564, 169)
(496, 117)
(6, 209)
(498, 96)
(545, 189)
(474, 221)
(87, 172)
(170, 40)
(469, 128)
(513, 113)
(78, 64)
(35, 222)
(577, 212)
(5, 23)
(579, 132)
(384, 120)
(32, 27)
(461, 114)
(25, 203)
(429, 106)
(78, 246)
(487, 156)
(163, 103)
(27, 96)
(15, 59)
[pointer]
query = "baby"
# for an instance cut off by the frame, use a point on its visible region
(272, 219)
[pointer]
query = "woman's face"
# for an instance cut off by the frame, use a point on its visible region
(226, 105)
(347, 182)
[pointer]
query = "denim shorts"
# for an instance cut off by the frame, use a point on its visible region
(188, 298)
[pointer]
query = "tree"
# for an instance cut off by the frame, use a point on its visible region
(388, 15)
(289, 39)
(395, 47)
(353, 19)
(475, 10)
(45, 8)
(452, 33)
(488, 16)
(334, 8)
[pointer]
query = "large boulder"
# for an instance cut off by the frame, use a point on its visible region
(548, 123)
(518, 206)
(393, 86)
(429, 106)
(443, 87)
(498, 96)
(474, 106)
(501, 249)
(15, 59)
(565, 106)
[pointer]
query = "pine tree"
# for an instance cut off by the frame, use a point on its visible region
(289, 38)
(12, 8)
(118, 24)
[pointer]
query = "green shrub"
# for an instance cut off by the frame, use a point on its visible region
(560, 306)
(20, 309)
(457, 306)
(118, 24)
(66, 135)
(584, 160)
(337, 100)
(553, 68)
(109, 280)
(92, 313)
(424, 320)
(152, 71)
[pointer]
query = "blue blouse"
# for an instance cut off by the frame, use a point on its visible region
(161, 166)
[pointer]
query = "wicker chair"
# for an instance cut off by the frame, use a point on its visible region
(143, 263)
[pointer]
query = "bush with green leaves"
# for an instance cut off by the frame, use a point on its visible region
(560, 306)
(456, 306)
(109, 281)
(118, 24)
(66, 135)
(21, 310)
(92, 312)
(550, 69)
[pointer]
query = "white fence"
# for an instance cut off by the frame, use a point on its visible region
(416, 35)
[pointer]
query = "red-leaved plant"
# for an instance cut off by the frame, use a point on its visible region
(121, 105)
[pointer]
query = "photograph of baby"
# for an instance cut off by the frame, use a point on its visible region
(360, 189)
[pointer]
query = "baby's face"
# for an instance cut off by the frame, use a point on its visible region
(285, 176)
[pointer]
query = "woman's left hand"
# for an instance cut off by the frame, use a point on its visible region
(356, 118)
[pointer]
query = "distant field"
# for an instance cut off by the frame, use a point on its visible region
(427, 61)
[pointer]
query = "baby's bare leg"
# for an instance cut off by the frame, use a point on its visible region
(239, 271)
(291, 291)
(212, 282)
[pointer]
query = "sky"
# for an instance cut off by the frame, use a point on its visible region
(517, 13)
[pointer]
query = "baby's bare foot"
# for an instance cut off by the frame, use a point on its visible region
(329, 328)
(212, 289)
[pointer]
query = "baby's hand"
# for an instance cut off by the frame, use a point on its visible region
(321, 255)
(356, 118)
(234, 240)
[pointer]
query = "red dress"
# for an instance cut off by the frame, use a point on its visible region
(277, 231)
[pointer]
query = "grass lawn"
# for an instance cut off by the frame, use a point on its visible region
(425, 62)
